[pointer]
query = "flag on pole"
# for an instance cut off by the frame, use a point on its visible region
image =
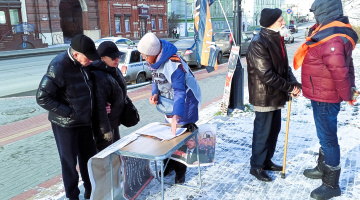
(205, 45)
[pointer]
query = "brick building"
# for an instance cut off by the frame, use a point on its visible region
(132, 19)
(58, 21)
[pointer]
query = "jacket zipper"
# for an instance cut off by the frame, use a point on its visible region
(312, 85)
(86, 77)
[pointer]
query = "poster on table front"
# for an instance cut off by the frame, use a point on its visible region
(130, 175)
(187, 153)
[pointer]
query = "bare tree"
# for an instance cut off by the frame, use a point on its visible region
(173, 21)
(351, 9)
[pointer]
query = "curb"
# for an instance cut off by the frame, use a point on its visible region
(31, 52)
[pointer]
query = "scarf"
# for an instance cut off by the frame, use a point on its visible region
(323, 33)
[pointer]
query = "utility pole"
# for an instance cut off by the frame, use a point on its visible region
(186, 32)
(237, 85)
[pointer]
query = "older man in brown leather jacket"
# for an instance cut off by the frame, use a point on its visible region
(270, 81)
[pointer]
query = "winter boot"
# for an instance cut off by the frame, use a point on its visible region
(317, 172)
(330, 186)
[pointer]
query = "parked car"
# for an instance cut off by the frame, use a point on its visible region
(116, 40)
(288, 37)
(187, 50)
(224, 41)
(256, 30)
(132, 65)
(292, 26)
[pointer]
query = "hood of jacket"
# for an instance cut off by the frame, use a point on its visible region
(326, 10)
(101, 65)
(168, 49)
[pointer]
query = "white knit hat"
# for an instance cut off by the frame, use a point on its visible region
(149, 45)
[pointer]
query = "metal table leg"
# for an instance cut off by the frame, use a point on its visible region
(111, 176)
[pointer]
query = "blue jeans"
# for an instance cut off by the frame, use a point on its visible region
(325, 116)
(267, 126)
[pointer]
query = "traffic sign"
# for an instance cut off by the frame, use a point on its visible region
(289, 11)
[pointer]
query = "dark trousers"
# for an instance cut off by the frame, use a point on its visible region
(74, 144)
(267, 126)
(179, 168)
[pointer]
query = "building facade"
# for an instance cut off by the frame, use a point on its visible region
(29, 23)
(132, 19)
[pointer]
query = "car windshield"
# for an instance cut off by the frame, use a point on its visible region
(184, 43)
(122, 57)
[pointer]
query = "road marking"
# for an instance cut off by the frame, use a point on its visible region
(24, 133)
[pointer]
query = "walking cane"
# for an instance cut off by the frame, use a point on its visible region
(286, 137)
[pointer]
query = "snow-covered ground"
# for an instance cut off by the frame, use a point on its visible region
(229, 178)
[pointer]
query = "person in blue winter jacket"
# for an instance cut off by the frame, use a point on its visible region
(173, 79)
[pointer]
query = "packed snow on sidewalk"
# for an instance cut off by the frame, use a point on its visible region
(229, 178)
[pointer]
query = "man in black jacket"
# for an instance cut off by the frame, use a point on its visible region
(66, 92)
(270, 80)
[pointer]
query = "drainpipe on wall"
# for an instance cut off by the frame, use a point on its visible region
(50, 25)
(109, 18)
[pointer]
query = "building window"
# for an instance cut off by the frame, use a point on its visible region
(117, 25)
(14, 16)
(153, 26)
(127, 24)
(2, 17)
(160, 23)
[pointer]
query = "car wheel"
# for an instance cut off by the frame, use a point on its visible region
(140, 78)
(219, 57)
(292, 41)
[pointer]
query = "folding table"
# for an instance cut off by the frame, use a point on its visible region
(146, 147)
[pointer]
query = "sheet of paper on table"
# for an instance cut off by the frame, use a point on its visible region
(160, 131)
(117, 145)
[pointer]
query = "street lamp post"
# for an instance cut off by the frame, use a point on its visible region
(237, 85)
(186, 32)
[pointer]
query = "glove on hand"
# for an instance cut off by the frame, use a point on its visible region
(355, 94)
(108, 136)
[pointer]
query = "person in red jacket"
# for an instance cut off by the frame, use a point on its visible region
(327, 79)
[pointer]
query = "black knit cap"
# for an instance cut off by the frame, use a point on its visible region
(269, 16)
(86, 46)
(109, 48)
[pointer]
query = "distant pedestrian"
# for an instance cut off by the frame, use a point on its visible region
(270, 81)
(109, 88)
(243, 26)
(177, 32)
(66, 92)
(174, 31)
(172, 79)
(328, 79)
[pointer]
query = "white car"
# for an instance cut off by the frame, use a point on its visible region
(288, 37)
(132, 65)
(116, 40)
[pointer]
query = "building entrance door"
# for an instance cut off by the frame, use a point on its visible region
(5, 25)
(71, 21)
(143, 23)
